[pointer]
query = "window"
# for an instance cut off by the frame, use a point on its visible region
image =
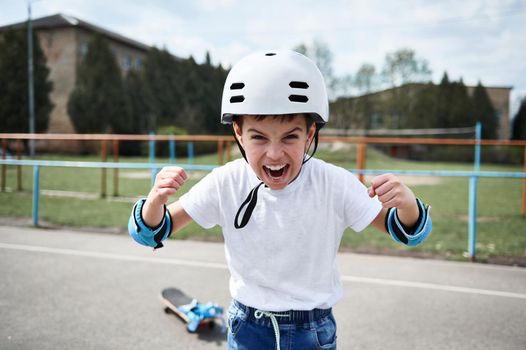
(126, 63)
(83, 49)
(376, 120)
(137, 64)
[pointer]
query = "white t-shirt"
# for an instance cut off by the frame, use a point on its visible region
(285, 257)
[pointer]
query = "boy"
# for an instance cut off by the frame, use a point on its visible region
(282, 213)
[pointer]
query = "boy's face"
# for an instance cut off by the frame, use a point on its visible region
(275, 147)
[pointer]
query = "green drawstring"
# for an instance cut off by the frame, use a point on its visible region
(259, 313)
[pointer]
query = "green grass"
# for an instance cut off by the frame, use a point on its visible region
(501, 226)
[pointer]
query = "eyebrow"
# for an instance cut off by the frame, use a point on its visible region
(285, 133)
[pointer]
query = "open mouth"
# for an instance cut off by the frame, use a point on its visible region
(276, 172)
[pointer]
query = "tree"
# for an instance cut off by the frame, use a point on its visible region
(137, 97)
(183, 93)
(402, 67)
(97, 103)
(162, 77)
(454, 107)
(365, 78)
(14, 110)
(519, 122)
(424, 107)
(484, 112)
(323, 57)
(459, 106)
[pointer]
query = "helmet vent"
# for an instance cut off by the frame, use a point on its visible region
(299, 85)
(237, 86)
(298, 98)
(270, 54)
(237, 99)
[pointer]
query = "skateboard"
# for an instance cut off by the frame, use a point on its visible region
(195, 314)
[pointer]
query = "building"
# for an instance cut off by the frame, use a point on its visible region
(64, 41)
(367, 112)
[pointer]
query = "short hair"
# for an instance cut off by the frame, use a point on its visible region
(309, 119)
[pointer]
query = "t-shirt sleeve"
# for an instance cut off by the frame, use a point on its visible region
(201, 202)
(360, 209)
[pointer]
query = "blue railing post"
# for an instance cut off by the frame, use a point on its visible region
(473, 182)
(190, 152)
(36, 193)
(171, 146)
(151, 148)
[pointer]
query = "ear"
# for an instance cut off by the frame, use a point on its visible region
(310, 134)
(237, 133)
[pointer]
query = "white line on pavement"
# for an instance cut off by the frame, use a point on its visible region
(203, 264)
(423, 285)
(91, 254)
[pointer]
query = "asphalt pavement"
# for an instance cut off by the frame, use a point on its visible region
(62, 289)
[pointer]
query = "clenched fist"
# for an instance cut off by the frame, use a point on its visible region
(167, 182)
(392, 193)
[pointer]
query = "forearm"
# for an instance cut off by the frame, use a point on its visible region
(152, 214)
(409, 213)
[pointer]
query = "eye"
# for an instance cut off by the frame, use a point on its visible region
(291, 137)
(257, 137)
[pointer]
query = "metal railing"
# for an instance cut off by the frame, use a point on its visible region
(361, 170)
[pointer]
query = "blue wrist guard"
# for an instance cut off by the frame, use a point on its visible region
(145, 235)
(409, 236)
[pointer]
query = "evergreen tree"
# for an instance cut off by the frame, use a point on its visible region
(519, 122)
(459, 106)
(137, 97)
(453, 105)
(97, 104)
(183, 93)
(14, 106)
(442, 104)
(163, 80)
(424, 108)
(484, 112)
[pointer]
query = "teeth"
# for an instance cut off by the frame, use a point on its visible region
(275, 167)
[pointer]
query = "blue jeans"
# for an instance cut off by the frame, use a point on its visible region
(303, 330)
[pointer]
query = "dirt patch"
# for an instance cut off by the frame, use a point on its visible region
(507, 260)
(481, 219)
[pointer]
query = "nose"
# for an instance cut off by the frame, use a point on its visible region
(274, 151)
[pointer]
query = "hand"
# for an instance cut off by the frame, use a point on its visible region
(167, 182)
(391, 192)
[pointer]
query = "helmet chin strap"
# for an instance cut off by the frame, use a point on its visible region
(252, 198)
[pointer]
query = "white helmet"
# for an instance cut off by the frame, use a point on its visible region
(272, 83)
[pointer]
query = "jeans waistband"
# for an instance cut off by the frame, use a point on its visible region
(289, 316)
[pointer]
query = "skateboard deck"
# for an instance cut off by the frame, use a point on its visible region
(195, 314)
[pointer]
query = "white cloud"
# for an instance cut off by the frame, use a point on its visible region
(476, 39)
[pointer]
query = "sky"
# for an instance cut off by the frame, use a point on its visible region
(476, 40)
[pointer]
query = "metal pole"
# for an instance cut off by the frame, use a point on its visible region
(171, 146)
(190, 152)
(19, 168)
(151, 146)
(4, 167)
(36, 193)
(116, 170)
(524, 185)
(104, 156)
(362, 151)
(31, 93)
(473, 182)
